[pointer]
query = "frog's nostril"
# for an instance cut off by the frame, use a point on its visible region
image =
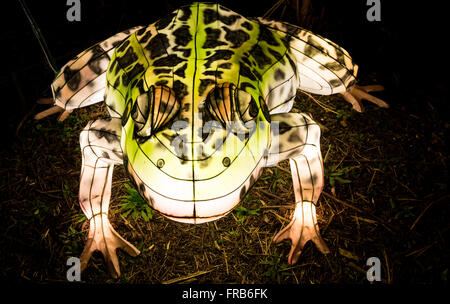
(226, 161)
(160, 163)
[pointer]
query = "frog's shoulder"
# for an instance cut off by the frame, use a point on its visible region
(325, 67)
(81, 81)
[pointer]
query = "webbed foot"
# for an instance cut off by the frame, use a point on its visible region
(104, 238)
(302, 228)
(355, 94)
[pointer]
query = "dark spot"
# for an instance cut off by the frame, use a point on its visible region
(135, 71)
(161, 71)
(72, 78)
(105, 155)
(123, 46)
(283, 127)
(218, 55)
(180, 89)
(266, 35)
(277, 55)
(168, 61)
(247, 25)
(114, 66)
(332, 65)
(335, 82)
(182, 35)
(103, 133)
(294, 137)
(212, 38)
(186, 107)
(186, 13)
(186, 51)
(253, 111)
(261, 58)
(180, 71)
(97, 56)
(58, 92)
(164, 22)
(229, 20)
(127, 59)
(246, 72)
(161, 82)
(279, 75)
(216, 73)
(209, 16)
(315, 178)
(237, 38)
(141, 31)
(225, 65)
(157, 46)
(116, 43)
(204, 83)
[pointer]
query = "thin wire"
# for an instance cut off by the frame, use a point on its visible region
(40, 37)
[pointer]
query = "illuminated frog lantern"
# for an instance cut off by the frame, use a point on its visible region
(200, 103)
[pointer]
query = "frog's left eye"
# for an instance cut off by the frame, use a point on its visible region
(226, 104)
(153, 110)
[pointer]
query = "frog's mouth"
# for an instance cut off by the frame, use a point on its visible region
(216, 203)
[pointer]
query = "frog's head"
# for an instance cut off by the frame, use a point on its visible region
(202, 152)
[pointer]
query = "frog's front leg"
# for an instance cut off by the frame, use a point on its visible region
(298, 138)
(100, 146)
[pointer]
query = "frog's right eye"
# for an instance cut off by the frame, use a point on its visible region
(153, 110)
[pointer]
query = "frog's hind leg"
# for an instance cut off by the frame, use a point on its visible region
(82, 81)
(323, 67)
(299, 141)
(100, 146)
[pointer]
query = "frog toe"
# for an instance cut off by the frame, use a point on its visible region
(103, 238)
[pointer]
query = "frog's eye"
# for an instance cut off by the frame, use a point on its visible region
(226, 104)
(219, 103)
(153, 110)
